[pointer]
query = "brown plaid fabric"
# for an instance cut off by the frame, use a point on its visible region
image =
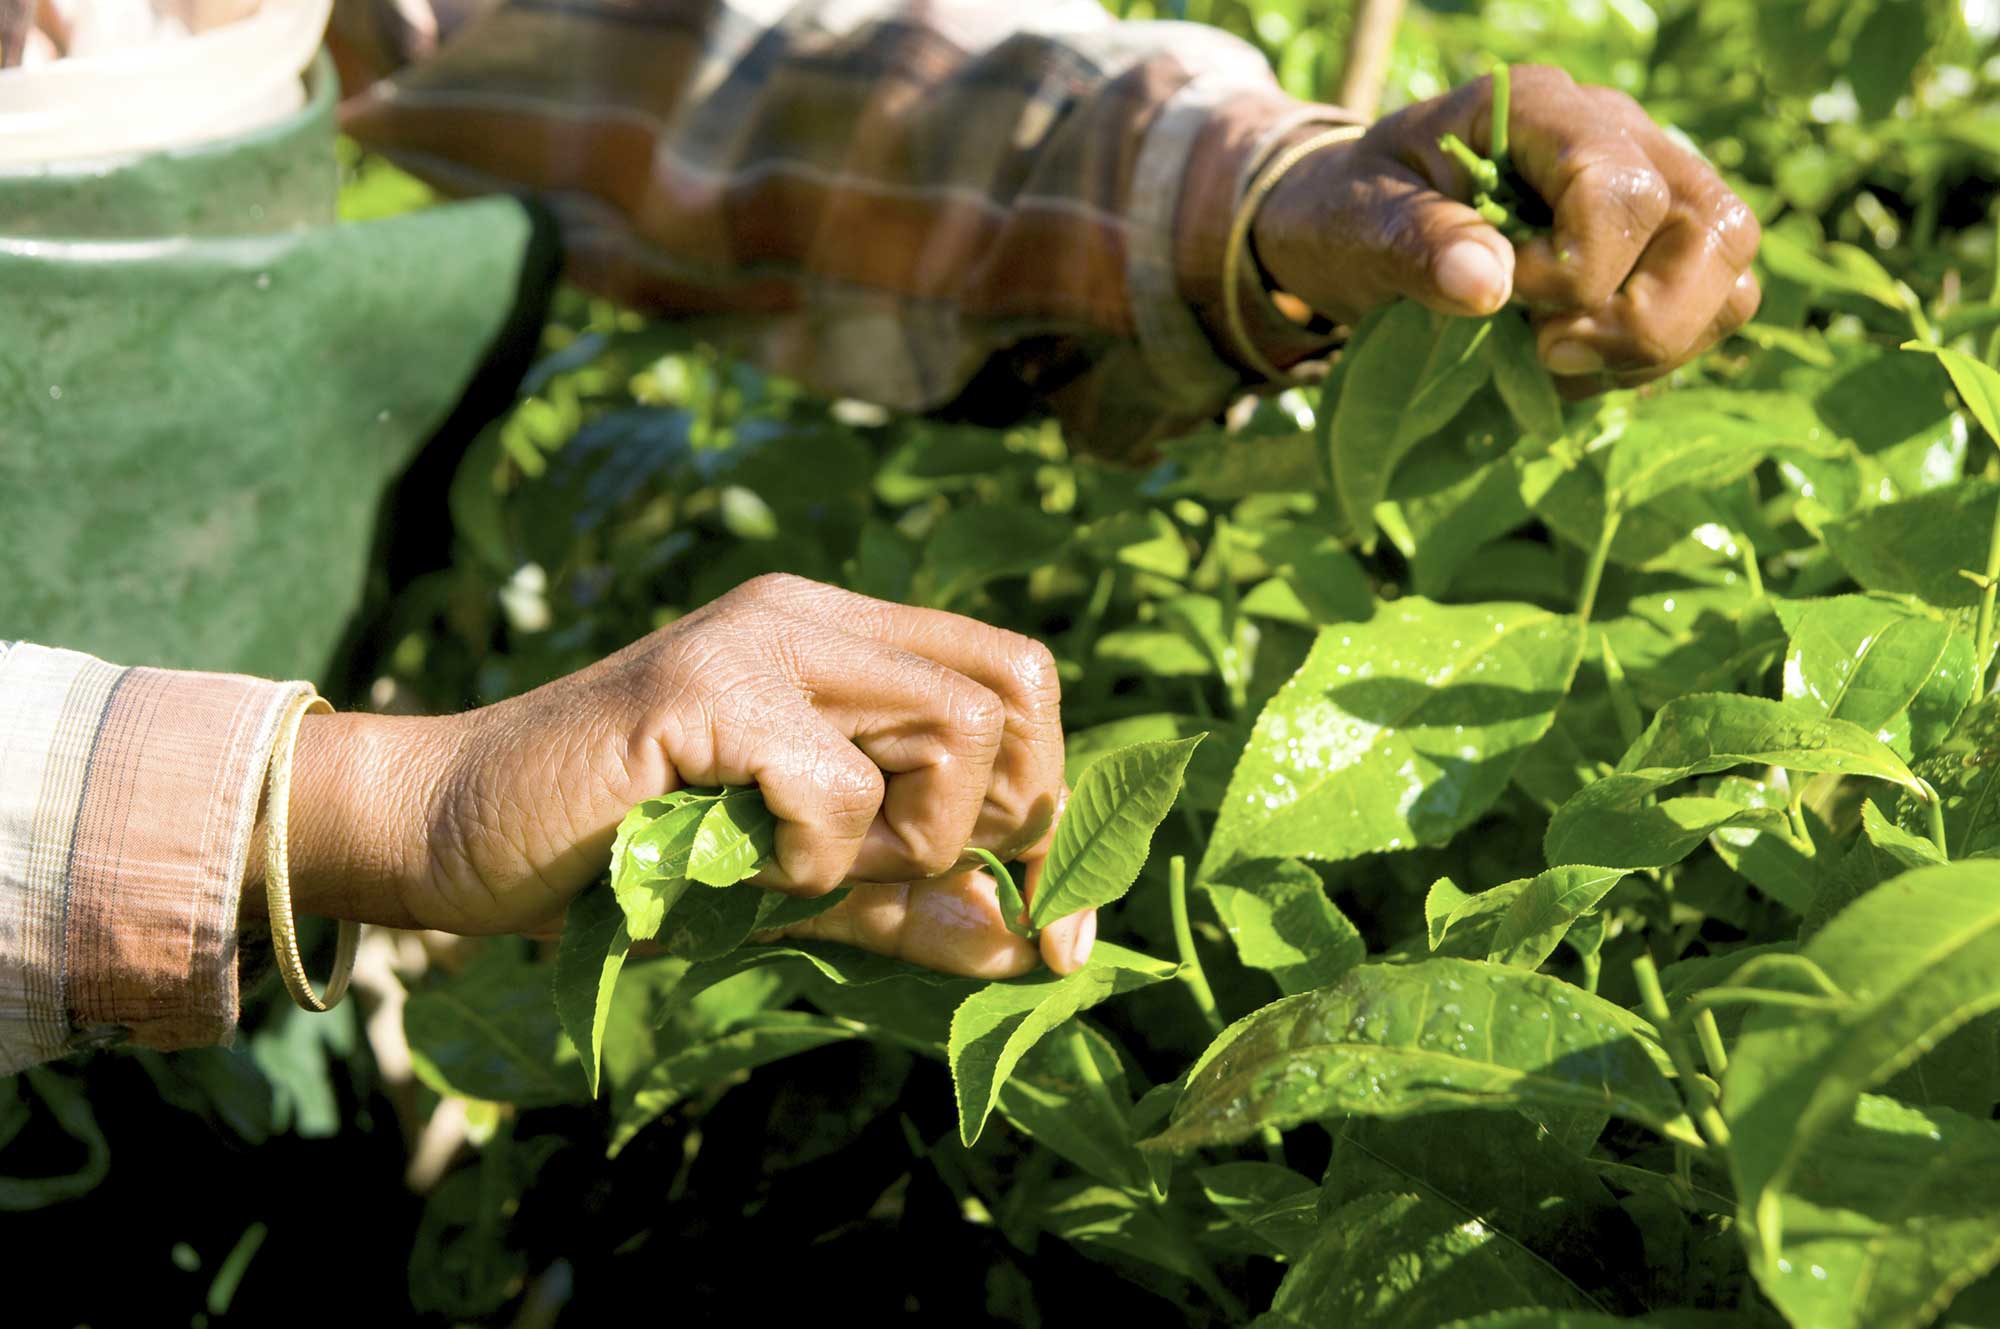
(937, 205)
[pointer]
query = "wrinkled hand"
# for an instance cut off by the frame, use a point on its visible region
(885, 739)
(1647, 263)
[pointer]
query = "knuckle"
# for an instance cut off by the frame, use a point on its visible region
(774, 587)
(978, 715)
(1641, 192)
(1735, 228)
(1031, 667)
(929, 855)
(852, 789)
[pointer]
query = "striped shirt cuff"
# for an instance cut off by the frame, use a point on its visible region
(127, 801)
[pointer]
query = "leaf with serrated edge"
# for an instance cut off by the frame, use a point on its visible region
(492, 1032)
(1395, 733)
(1614, 822)
(1887, 1217)
(734, 839)
(1904, 676)
(1397, 358)
(1978, 384)
(994, 1027)
(1520, 923)
(1918, 957)
(588, 960)
(1278, 914)
(1405, 1261)
(649, 859)
(1107, 828)
(1441, 1034)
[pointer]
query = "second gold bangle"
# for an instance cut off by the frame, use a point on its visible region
(278, 871)
(1238, 244)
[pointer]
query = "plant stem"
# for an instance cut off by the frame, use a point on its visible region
(1653, 1002)
(1710, 1034)
(1013, 910)
(1191, 971)
(1502, 104)
(1983, 641)
(1751, 569)
(1593, 573)
(1934, 810)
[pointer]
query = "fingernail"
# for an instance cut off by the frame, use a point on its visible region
(1468, 274)
(1573, 357)
(1086, 937)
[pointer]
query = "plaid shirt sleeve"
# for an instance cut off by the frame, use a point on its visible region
(127, 802)
(980, 209)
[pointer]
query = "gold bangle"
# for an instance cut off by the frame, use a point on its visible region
(278, 871)
(1239, 241)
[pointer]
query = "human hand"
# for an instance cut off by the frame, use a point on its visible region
(1646, 265)
(885, 739)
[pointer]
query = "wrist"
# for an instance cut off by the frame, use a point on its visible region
(361, 793)
(1239, 141)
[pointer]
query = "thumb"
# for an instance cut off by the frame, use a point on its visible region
(1359, 231)
(1438, 252)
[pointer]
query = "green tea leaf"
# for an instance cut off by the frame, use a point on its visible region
(1710, 732)
(1835, 267)
(1918, 957)
(1405, 1261)
(1207, 774)
(734, 839)
(1524, 384)
(649, 858)
(1905, 676)
(1106, 1223)
(1275, 1205)
(1281, 919)
(1069, 1093)
(1706, 441)
(760, 1039)
(1917, 547)
(1407, 371)
(1219, 466)
(1882, 850)
(1888, 1215)
(972, 546)
(1978, 384)
(1442, 1034)
(492, 1032)
(1770, 859)
(1521, 922)
(1396, 732)
(702, 925)
(588, 960)
(1611, 821)
(992, 1029)
(1107, 829)
(1499, 1169)
(1615, 821)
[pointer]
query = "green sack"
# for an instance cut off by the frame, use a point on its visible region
(209, 386)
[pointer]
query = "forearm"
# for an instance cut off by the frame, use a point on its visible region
(947, 206)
